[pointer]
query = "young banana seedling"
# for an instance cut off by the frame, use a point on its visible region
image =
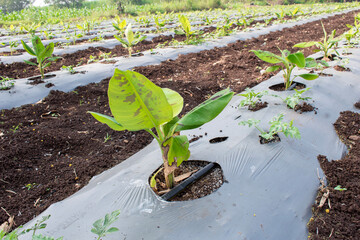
(119, 25)
(327, 46)
(287, 62)
(130, 39)
(186, 29)
(138, 104)
(43, 54)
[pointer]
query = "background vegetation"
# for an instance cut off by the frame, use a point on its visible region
(21, 12)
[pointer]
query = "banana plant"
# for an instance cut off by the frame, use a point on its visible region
(326, 46)
(287, 62)
(43, 54)
(138, 104)
(159, 24)
(130, 39)
(119, 25)
(186, 27)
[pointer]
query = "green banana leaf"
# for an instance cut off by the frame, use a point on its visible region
(268, 56)
(136, 103)
(206, 111)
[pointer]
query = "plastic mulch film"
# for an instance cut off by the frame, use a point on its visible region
(23, 93)
(269, 191)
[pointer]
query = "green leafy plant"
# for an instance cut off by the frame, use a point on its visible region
(119, 25)
(48, 34)
(339, 188)
(159, 23)
(130, 39)
(92, 59)
(138, 104)
(101, 227)
(224, 29)
(294, 99)
(6, 83)
(40, 224)
(328, 45)
(12, 45)
(276, 126)
(186, 29)
(244, 22)
(43, 54)
(280, 15)
(31, 29)
(73, 36)
(251, 98)
(69, 68)
(86, 26)
(107, 137)
(288, 61)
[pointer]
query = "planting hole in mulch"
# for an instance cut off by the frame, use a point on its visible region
(275, 139)
(202, 187)
(37, 80)
(357, 105)
(332, 57)
(304, 107)
(341, 68)
(259, 105)
(321, 74)
(195, 138)
(281, 87)
(218, 140)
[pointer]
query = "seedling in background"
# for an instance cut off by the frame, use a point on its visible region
(280, 16)
(102, 227)
(159, 24)
(244, 22)
(186, 29)
(12, 45)
(107, 137)
(328, 45)
(43, 54)
(119, 25)
(92, 59)
(276, 126)
(70, 69)
(224, 29)
(130, 39)
(294, 99)
(288, 61)
(251, 98)
(6, 83)
(48, 35)
(31, 29)
(138, 104)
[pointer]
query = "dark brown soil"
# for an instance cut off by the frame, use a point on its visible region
(44, 160)
(341, 68)
(259, 105)
(357, 105)
(339, 218)
(275, 139)
(325, 74)
(281, 87)
(200, 188)
(304, 107)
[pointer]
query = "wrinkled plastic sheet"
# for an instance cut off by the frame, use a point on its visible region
(269, 190)
(23, 93)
